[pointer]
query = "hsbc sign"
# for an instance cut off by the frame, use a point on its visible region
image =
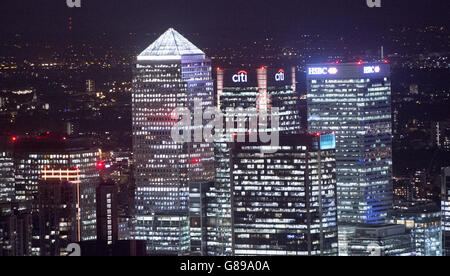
(372, 69)
(322, 71)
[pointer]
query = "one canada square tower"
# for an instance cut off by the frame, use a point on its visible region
(171, 73)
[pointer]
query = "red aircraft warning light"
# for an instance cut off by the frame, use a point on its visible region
(14, 139)
(359, 62)
(100, 165)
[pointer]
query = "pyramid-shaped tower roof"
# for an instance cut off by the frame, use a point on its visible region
(170, 46)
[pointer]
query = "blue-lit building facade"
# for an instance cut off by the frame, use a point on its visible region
(353, 100)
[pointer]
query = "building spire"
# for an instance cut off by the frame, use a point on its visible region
(170, 46)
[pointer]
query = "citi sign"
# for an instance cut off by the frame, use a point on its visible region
(322, 71)
(241, 76)
(372, 69)
(280, 75)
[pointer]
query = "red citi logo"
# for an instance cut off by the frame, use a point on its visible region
(241, 76)
(280, 75)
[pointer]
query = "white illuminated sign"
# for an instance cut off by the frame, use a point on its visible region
(372, 69)
(323, 71)
(241, 76)
(280, 75)
(332, 71)
(73, 3)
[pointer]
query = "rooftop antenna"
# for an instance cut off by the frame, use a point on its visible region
(382, 52)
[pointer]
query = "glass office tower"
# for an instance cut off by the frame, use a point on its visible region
(354, 101)
(7, 185)
(245, 88)
(171, 73)
(284, 203)
(58, 201)
(445, 209)
(33, 154)
(261, 88)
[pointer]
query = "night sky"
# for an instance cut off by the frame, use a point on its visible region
(242, 18)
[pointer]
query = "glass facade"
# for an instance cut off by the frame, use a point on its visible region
(171, 73)
(15, 232)
(376, 240)
(445, 209)
(58, 202)
(219, 214)
(424, 224)
(28, 171)
(284, 203)
(21, 170)
(256, 90)
(7, 185)
(354, 102)
(261, 90)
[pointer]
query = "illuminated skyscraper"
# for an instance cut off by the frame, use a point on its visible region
(284, 203)
(354, 101)
(245, 89)
(58, 202)
(7, 185)
(33, 154)
(43, 216)
(261, 88)
(445, 207)
(170, 73)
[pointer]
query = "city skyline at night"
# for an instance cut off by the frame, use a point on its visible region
(234, 129)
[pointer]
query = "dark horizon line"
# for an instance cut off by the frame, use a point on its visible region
(213, 32)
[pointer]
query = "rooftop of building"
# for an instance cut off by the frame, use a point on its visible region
(309, 140)
(415, 208)
(356, 69)
(48, 143)
(377, 230)
(352, 63)
(169, 46)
